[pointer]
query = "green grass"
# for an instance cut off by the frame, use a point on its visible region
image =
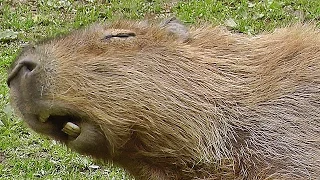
(26, 155)
(250, 16)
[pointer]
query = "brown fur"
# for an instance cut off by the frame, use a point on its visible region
(172, 104)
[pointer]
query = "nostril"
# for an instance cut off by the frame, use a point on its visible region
(29, 65)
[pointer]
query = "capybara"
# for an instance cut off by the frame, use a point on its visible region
(170, 102)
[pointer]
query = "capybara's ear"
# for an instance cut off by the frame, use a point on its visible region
(174, 26)
(118, 34)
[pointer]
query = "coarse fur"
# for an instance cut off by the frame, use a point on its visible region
(165, 102)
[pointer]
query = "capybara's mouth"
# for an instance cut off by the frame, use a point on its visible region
(72, 128)
(67, 126)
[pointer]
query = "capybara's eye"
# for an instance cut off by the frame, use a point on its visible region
(120, 35)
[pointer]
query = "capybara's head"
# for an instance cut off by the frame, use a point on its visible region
(81, 88)
(166, 103)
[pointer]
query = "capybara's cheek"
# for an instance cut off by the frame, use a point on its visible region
(90, 141)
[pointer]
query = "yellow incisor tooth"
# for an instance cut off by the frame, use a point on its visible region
(71, 129)
(43, 117)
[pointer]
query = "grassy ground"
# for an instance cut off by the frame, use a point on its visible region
(26, 155)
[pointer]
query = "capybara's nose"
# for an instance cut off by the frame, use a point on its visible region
(22, 68)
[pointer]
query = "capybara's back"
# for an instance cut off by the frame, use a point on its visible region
(165, 102)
